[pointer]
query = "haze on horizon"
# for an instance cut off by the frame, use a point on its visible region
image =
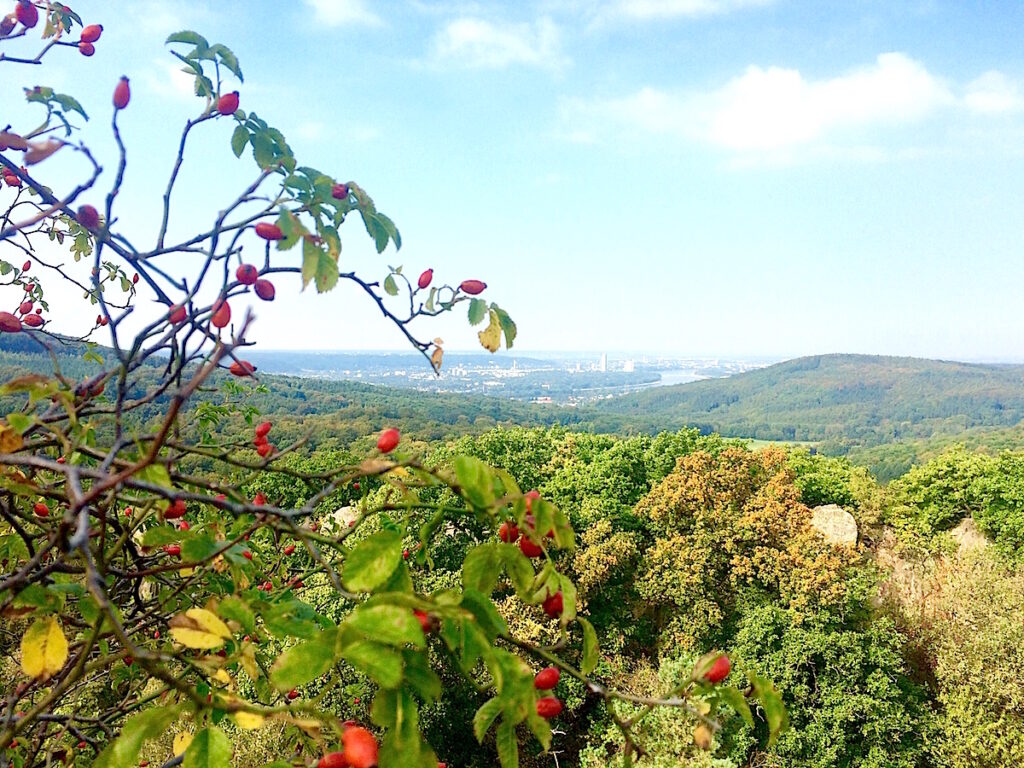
(731, 178)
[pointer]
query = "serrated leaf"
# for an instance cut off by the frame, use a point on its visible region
(228, 59)
(508, 746)
(210, 748)
(772, 705)
(305, 662)
(187, 36)
(372, 562)
(475, 480)
(150, 724)
(519, 569)
(199, 628)
(389, 624)
(477, 311)
(590, 649)
(236, 609)
(239, 138)
(390, 286)
(490, 337)
(44, 649)
(485, 717)
(481, 568)
(383, 664)
(735, 700)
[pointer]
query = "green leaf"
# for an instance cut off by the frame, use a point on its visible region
(481, 568)
(236, 609)
(150, 724)
(187, 36)
(291, 618)
(477, 311)
(519, 569)
(401, 744)
(508, 747)
(772, 706)
(389, 624)
(199, 547)
(306, 661)
(474, 477)
(162, 534)
(507, 327)
(484, 718)
(239, 139)
(420, 677)
(70, 104)
(486, 615)
(590, 657)
(210, 748)
(369, 565)
(228, 59)
(541, 729)
(381, 663)
(156, 474)
(263, 150)
(390, 286)
(735, 700)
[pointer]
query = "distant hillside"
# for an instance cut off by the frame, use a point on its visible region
(838, 400)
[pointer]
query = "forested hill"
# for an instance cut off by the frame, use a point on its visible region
(839, 399)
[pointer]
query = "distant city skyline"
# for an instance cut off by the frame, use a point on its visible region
(740, 178)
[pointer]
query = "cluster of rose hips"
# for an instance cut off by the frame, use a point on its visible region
(87, 39)
(263, 446)
(471, 287)
(11, 179)
(25, 13)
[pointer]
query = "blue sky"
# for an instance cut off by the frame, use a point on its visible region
(713, 177)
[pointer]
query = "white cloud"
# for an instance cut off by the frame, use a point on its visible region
(338, 13)
(993, 93)
(480, 44)
(667, 9)
(769, 109)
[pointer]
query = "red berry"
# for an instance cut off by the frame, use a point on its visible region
(26, 307)
(547, 679)
(269, 231)
(247, 554)
(82, 745)
(289, 549)
(263, 429)
(228, 103)
(293, 695)
(26, 13)
(530, 496)
(388, 440)
(264, 450)
(175, 510)
(29, 287)
(264, 289)
(26, 266)
(242, 368)
(472, 287)
(6, 25)
(135, 278)
(86, 49)
(122, 94)
(529, 548)
(355, 486)
(174, 550)
(183, 525)
(508, 532)
(247, 274)
(339, 191)
(333, 760)
(425, 277)
(88, 217)
(425, 621)
(360, 747)
(553, 605)
(91, 33)
(719, 670)
(9, 323)
(33, 321)
(268, 586)
(41, 509)
(221, 315)
(549, 707)
(260, 440)
(128, 512)
(177, 314)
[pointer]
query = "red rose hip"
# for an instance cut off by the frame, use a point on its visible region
(122, 94)
(269, 231)
(388, 440)
(426, 276)
(719, 670)
(547, 679)
(91, 33)
(247, 274)
(472, 287)
(553, 605)
(549, 707)
(265, 290)
(88, 217)
(228, 103)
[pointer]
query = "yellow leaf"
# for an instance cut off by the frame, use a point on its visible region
(222, 677)
(250, 721)
(186, 571)
(490, 337)
(181, 742)
(44, 649)
(436, 357)
(248, 660)
(199, 628)
(10, 439)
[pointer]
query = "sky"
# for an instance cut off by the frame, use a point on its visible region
(729, 178)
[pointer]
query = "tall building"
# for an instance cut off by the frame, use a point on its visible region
(604, 362)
